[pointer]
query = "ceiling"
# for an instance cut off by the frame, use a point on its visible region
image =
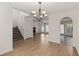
(50, 7)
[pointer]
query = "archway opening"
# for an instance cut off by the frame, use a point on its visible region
(66, 30)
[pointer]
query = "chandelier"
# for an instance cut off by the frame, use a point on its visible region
(41, 14)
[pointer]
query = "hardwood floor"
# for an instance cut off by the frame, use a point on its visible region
(39, 46)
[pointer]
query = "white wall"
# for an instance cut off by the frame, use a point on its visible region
(28, 26)
(15, 17)
(54, 26)
(6, 43)
(76, 42)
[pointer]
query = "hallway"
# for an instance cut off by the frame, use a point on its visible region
(39, 46)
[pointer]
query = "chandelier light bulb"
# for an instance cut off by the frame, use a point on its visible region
(43, 12)
(45, 15)
(41, 16)
(34, 12)
(34, 15)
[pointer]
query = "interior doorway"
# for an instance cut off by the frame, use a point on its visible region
(34, 30)
(66, 30)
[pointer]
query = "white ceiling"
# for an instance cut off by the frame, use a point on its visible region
(50, 7)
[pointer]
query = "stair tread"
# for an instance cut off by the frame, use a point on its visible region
(17, 34)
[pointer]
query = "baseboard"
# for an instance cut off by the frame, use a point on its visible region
(54, 41)
(28, 38)
(77, 50)
(5, 51)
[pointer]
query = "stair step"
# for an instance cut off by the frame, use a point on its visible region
(17, 34)
(17, 39)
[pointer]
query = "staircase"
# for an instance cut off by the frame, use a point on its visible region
(17, 34)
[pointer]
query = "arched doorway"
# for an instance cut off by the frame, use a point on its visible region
(66, 30)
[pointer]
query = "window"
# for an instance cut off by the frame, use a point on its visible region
(62, 29)
(44, 28)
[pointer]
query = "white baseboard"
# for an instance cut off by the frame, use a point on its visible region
(77, 50)
(54, 41)
(5, 51)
